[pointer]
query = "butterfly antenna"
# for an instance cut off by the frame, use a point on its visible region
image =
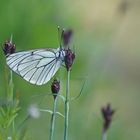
(62, 33)
(59, 34)
(63, 30)
(11, 38)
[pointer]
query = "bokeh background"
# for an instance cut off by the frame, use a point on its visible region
(107, 45)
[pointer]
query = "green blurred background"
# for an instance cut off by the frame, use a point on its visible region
(107, 45)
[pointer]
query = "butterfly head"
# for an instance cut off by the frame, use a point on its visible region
(60, 54)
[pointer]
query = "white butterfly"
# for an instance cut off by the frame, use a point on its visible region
(36, 66)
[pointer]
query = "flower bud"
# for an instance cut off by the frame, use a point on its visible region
(9, 48)
(55, 87)
(69, 58)
(66, 36)
(107, 114)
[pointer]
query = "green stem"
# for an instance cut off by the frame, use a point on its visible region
(104, 135)
(13, 130)
(11, 99)
(4, 134)
(53, 120)
(67, 107)
(10, 95)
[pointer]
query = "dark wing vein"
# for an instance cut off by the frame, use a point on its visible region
(48, 72)
(36, 70)
(43, 70)
(28, 70)
(43, 56)
(40, 67)
(16, 59)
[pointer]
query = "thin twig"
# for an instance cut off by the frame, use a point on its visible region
(67, 107)
(80, 93)
(104, 135)
(53, 120)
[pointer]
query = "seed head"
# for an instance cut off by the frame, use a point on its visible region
(55, 87)
(69, 58)
(33, 111)
(9, 48)
(107, 113)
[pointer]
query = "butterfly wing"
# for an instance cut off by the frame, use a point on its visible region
(35, 66)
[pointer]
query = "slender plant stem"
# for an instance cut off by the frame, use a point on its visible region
(104, 135)
(5, 133)
(11, 99)
(13, 130)
(67, 107)
(10, 95)
(53, 120)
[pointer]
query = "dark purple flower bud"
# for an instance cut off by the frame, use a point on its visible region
(107, 114)
(66, 36)
(69, 58)
(55, 87)
(9, 48)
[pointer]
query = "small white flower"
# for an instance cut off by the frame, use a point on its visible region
(9, 138)
(34, 111)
